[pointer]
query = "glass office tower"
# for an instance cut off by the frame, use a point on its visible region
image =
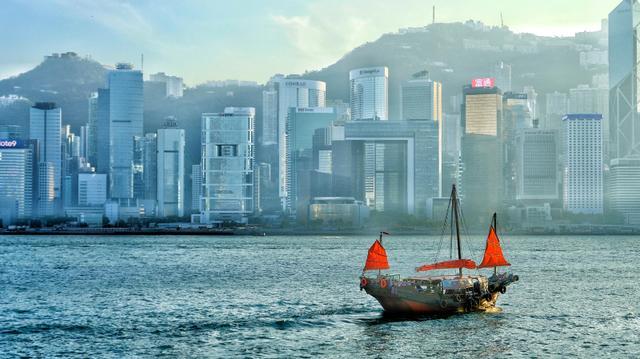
(45, 125)
(227, 166)
(369, 93)
(170, 169)
(125, 122)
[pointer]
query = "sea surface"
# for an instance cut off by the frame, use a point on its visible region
(252, 297)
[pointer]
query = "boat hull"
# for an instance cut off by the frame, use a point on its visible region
(427, 304)
(408, 297)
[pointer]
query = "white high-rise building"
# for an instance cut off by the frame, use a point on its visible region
(583, 189)
(269, 135)
(92, 189)
(124, 112)
(369, 93)
(284, 93)
(45, 125)
(170, 162)
(624, 188)
(173, 84)
(227, 166)
(16, 195)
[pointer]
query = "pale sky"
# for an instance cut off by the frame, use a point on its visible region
(204, 40)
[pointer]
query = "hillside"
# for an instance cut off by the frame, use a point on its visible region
(64, 79)
(447, 52)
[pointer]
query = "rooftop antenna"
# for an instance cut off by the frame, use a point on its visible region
(433, 18)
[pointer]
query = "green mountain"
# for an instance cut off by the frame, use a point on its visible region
(65, 79)
(455, 53)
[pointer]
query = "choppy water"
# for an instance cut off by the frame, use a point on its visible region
(299, 297)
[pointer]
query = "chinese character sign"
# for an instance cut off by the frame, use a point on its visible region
(483, 82)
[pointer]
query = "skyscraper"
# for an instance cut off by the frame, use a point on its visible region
(125, 111)
(103, 127)
(482, 177)
(301, 126)
(624, 188)
(532, 98)
(92, 130)
(399, 174)
(284, 93)
(369, 93)
(16, 181)
(196, 187)
(557, 105)
(421, 99)
(587, 99)
(623, 80)
(173, 84)
(536, 165)
(227, 166)
(46, 201)
(583, 190)
(502, 73)
(45, 125)
(170, 162)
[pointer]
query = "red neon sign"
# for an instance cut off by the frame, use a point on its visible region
(483, 82)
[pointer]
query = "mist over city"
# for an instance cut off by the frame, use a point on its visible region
(204, 179)
(461, 103)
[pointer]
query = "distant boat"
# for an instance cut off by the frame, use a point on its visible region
(439, 294)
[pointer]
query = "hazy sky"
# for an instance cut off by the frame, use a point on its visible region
(250, 39)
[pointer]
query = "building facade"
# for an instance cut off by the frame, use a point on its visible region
(16, 195)
(124, 122)
(369, 93)
(92, 189)
(483, 164)
(624, 189)
(45, 125)
(393, 165)
(583, 188)
(537, 166)
(196, 187)
(282, 94)
(624, 40)
(227, 166)
(301, 126)
(173, 84)
(170, 170)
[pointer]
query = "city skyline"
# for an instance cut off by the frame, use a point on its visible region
(293, 37)
(284, 152)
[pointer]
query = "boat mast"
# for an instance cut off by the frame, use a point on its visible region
(454, 199)
(495, 228)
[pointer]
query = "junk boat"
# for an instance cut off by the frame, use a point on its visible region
(440, 294)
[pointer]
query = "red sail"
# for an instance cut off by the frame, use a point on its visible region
(453, 264)
(493, 256)
(377, 258)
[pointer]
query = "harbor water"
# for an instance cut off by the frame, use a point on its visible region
(181, 296)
